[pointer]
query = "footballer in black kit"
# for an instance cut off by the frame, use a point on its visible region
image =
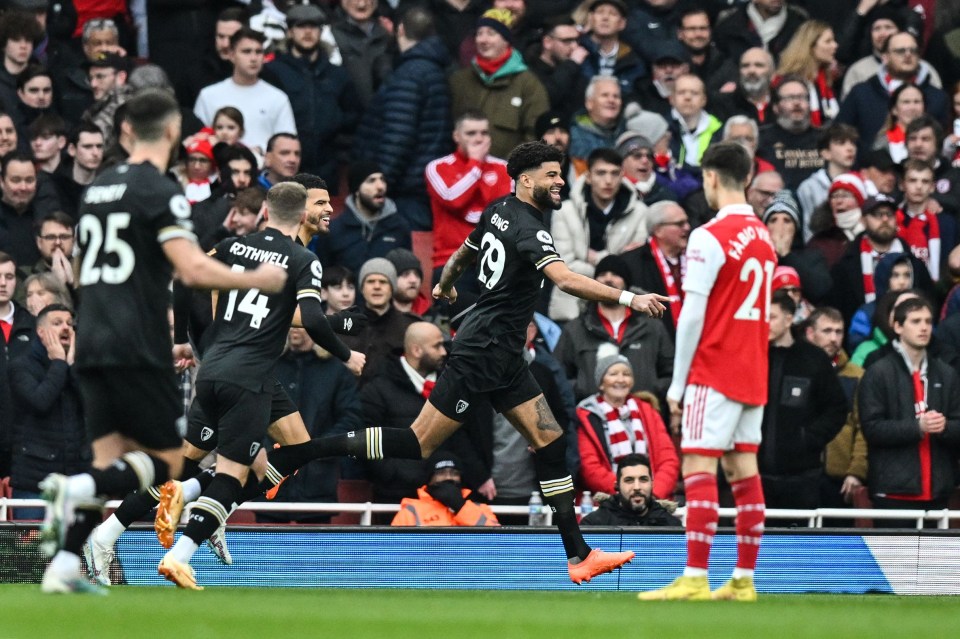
(512, 245)
(513, 251)
(236, 382)
(123, 335)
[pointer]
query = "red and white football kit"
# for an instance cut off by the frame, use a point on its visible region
(721, 355)
(460, 189)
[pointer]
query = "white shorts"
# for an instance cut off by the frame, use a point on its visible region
(714, 424)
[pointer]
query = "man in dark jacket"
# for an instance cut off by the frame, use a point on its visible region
(555, 60)
(364, 46)
(806, 408)
(49, 435)
(369, 226)
(408, 123)
(633, 504)
(910, 414)
(325, 393)
(17, 326)
(393, 399)
(322, 95)
(769, 24)
(386, 326)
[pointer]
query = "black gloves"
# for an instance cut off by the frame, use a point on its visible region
(447, 493)
(349, 321)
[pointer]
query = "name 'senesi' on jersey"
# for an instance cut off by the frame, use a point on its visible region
(260, 255)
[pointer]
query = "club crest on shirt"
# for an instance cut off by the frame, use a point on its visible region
(254, 447)
(206, 433)
(462, 406)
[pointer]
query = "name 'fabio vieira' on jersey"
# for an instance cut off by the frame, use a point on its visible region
(513, 247)
(125, 217)
(250, 329)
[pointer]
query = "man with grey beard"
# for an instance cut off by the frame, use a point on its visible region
(790, 143)
(750, 96)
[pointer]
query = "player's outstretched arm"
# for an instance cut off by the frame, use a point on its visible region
(590, 289)
(319, 330)
(197, 270)
(452, 270)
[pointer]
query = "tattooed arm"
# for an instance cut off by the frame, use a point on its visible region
(452, 270)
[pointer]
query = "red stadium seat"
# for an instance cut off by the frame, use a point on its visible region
(351, 491)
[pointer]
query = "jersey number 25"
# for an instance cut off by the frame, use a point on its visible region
(96, 237)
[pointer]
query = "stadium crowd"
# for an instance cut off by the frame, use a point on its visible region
(408, 109)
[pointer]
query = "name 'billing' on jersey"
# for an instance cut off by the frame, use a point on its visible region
(514, 246)
(250, 328)
(125, 216)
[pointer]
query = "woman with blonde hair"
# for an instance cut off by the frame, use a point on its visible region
(811, 55)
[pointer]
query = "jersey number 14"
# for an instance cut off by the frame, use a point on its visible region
(760, 277)
(253, 304)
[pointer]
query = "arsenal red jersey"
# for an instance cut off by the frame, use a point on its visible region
(731, 260)
(460, 189)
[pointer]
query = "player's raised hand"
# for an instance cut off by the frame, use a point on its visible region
(450, 295)
(649, 304)
(356, 362)
(269, 278)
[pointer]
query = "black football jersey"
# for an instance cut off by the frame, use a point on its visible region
(250, 329)
(126, 215)
(513, 246)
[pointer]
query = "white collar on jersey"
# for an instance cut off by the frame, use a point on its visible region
(736, 209)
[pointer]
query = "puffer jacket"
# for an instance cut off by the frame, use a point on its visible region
(408, 123)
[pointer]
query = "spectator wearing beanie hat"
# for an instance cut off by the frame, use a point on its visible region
(368, 227)
(498, 79)
(836, 222)
(645, 343)
(855, 275)
(603, 216)
(443, 501)
(782, 218)
(200, 166)
(613, 422)
(408, 296)
(640, 167)
(386, 326)
(787, 279)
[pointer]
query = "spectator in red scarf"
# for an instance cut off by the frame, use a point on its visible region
(811, 55)
(614, 423)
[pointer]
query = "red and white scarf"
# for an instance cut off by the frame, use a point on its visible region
(920, 381)
(897, 143)
(624, 429)
(823, 103)
(868, 261)
(621, 329)
(674, 288)
(423, 385)
(921, 232)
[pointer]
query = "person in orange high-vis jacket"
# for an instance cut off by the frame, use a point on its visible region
(443, 501)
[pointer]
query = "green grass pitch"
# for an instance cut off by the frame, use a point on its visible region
(233, 613)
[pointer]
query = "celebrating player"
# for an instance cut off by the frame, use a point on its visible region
(720, 373)
(134, 226)
(515, 251)
(234, 386)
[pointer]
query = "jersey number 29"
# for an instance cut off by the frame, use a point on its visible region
(493, 260)
(753, 272)
(253, 304)
(97, 237)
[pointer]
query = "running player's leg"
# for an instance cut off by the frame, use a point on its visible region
(537, 424)
(242, 418)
